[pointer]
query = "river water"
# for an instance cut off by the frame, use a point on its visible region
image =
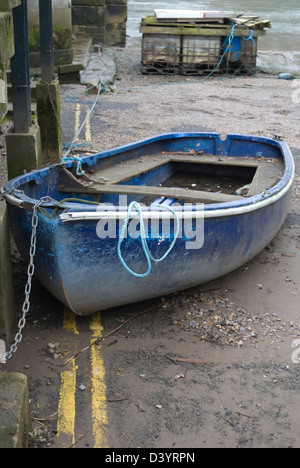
(281, 43)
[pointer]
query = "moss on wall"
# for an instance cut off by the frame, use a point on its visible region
(62, 38)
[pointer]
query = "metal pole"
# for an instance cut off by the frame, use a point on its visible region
(20, 73)
(46, 34)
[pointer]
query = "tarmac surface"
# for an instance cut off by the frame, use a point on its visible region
(214, 366)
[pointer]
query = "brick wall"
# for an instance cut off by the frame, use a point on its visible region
(104, 20)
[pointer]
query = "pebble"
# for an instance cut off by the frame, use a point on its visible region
(213, 318)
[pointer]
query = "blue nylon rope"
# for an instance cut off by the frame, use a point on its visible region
(149, 256)
(79, 170)
(229, 39)
(250, 38)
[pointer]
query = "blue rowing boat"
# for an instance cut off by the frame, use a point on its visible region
(150, 218)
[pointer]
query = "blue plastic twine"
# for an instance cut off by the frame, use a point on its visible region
(250, 38)
(149, 256)
(79, 170)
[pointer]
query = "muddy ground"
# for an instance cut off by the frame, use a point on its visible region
(207, 367)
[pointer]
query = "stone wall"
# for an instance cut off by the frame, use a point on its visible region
(6, 50)
(103, 20)
(62, 32)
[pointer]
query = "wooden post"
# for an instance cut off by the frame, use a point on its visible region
(20, 70)
(46, 34)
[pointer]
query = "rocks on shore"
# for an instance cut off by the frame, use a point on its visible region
(214, 318)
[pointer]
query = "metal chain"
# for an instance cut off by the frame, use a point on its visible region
(30, 273)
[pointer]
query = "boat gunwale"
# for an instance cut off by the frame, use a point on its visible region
(216, 209)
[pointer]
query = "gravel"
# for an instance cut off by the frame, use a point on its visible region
(214, 318)
(145, 105)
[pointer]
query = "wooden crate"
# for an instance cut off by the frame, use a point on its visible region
(161, 53)
(199, 54)
(196, 48)
(241, 56)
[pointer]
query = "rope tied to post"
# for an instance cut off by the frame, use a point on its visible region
(76, 159)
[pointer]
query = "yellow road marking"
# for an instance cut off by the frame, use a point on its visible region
(77, 120)
(66, 406)
(69, 322)
(99, 407)
(88, 135)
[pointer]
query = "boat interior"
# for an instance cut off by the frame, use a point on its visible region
(168, 177)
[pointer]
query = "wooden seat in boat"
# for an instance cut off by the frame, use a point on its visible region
(111, 179)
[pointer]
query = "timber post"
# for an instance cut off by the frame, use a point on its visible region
(47, 90)
(46, 40)
(20, 70)
(23, 145)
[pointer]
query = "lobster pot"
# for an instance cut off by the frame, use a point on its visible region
(200, 53)
(241, 56)
(249, 53)
(161, 53)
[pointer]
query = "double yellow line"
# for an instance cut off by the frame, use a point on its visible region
(67, 398)
(88, 135)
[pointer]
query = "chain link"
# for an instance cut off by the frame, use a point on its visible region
(30, 273)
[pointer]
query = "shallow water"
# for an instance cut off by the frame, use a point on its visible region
(284, 16)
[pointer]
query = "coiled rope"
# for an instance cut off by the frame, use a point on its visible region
(149, 256)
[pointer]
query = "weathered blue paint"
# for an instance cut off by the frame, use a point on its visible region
(85, 273)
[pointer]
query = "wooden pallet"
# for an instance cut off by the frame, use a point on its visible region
(184, 16)
(196, 30)
(159, 69)
(151, 25)
(194, 17)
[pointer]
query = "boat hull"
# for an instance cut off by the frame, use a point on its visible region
(85, 273)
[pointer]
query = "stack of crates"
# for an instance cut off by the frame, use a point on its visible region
(199, 49)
